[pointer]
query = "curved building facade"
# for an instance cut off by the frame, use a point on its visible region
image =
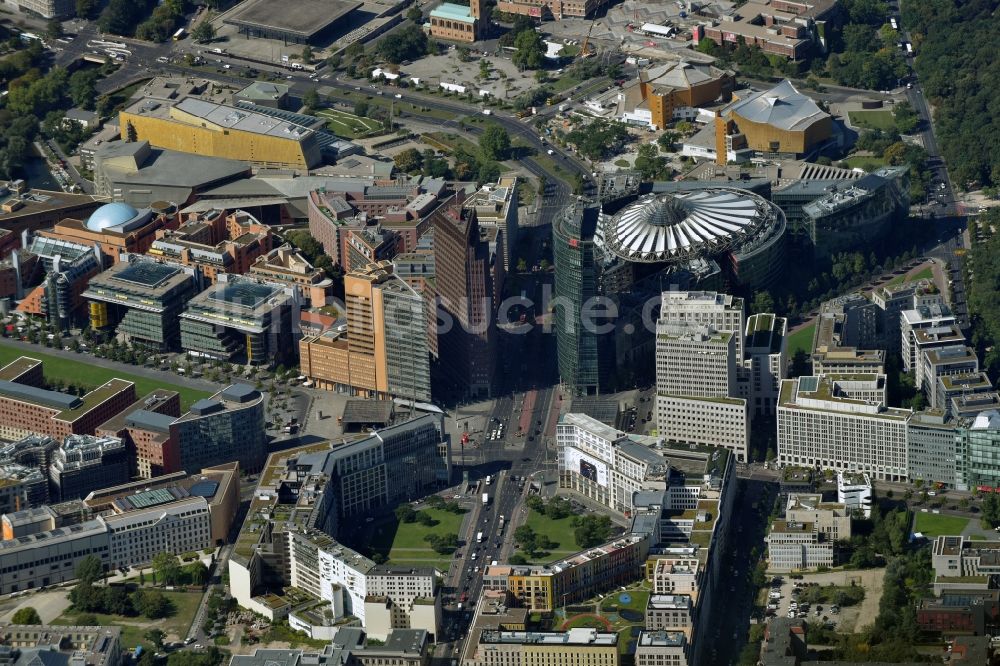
(737, 228)
(759, 263)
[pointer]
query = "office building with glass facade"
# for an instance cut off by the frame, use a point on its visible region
(141, 300)
(242, 320)
(226, 427)
(576, 283)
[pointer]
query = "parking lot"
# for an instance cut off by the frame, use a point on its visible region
(846, 619)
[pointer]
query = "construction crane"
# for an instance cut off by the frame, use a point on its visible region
(586, 41)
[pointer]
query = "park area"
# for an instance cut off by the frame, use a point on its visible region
(86, 373)
(559, 532)
(801, 339)
(347, 125)
(933, 525)
(183, 606)
(881, 120)
(622, 611)
(405, 543)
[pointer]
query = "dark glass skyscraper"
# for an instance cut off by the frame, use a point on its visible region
(576, 279)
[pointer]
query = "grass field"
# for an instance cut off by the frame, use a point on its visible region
(868, 163)
(637, 601)
(801, 339)
(933, 525)
(120, 98)
(134, 628)
(882, 120)
(348, 125)
(403, 543)
(85, 372)
(388, 101)
(559, 531)
(924, 274)
(564, 82)
(454, 142)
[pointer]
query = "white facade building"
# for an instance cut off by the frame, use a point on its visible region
(723, 312)
(604, 464)
(818, 426)
(178, 527)
(923, 317)
(793, 546)
(854, 490)
(707, 421)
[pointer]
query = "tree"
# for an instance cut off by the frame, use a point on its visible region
(361, 108)
(650, 164)
(83, 88)
(558, 508)
(116, 600)
(762, 302)
(167, 569)
(407, 44)
(53, 29)
(530, 50)
(89, 570)
(484, 69)
(85, 8)
(414, 14)
(667, 140)
(425, 519)
(26, 615)
(409, 160)
(204, 32)
(405, 513)
(197, 573)
(307, 54)
(592, 530)
(525, 537)
(151, 604)
(311, 99)
(494, 143)
(156, 636)
(517, 558)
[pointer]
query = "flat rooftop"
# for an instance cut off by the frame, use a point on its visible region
(301, 18)
(17, 367)
(230, 117)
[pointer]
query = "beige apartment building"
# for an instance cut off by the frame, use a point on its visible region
(575, 647)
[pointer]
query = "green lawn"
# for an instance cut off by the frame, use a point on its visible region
(559, 531)
(934, 525)
(868, 163)
(120, 98)
(87, 373)
(453, 142)
(924, 274)
(801, 339)
(563, 83)
(134, 628)
(637, 601)
(348, 125)
(403, 543)
(882, 120)
(388, 101)
(545, 161)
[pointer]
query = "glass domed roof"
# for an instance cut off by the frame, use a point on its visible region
(111, 215)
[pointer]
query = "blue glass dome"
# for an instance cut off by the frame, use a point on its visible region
(111, 215)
